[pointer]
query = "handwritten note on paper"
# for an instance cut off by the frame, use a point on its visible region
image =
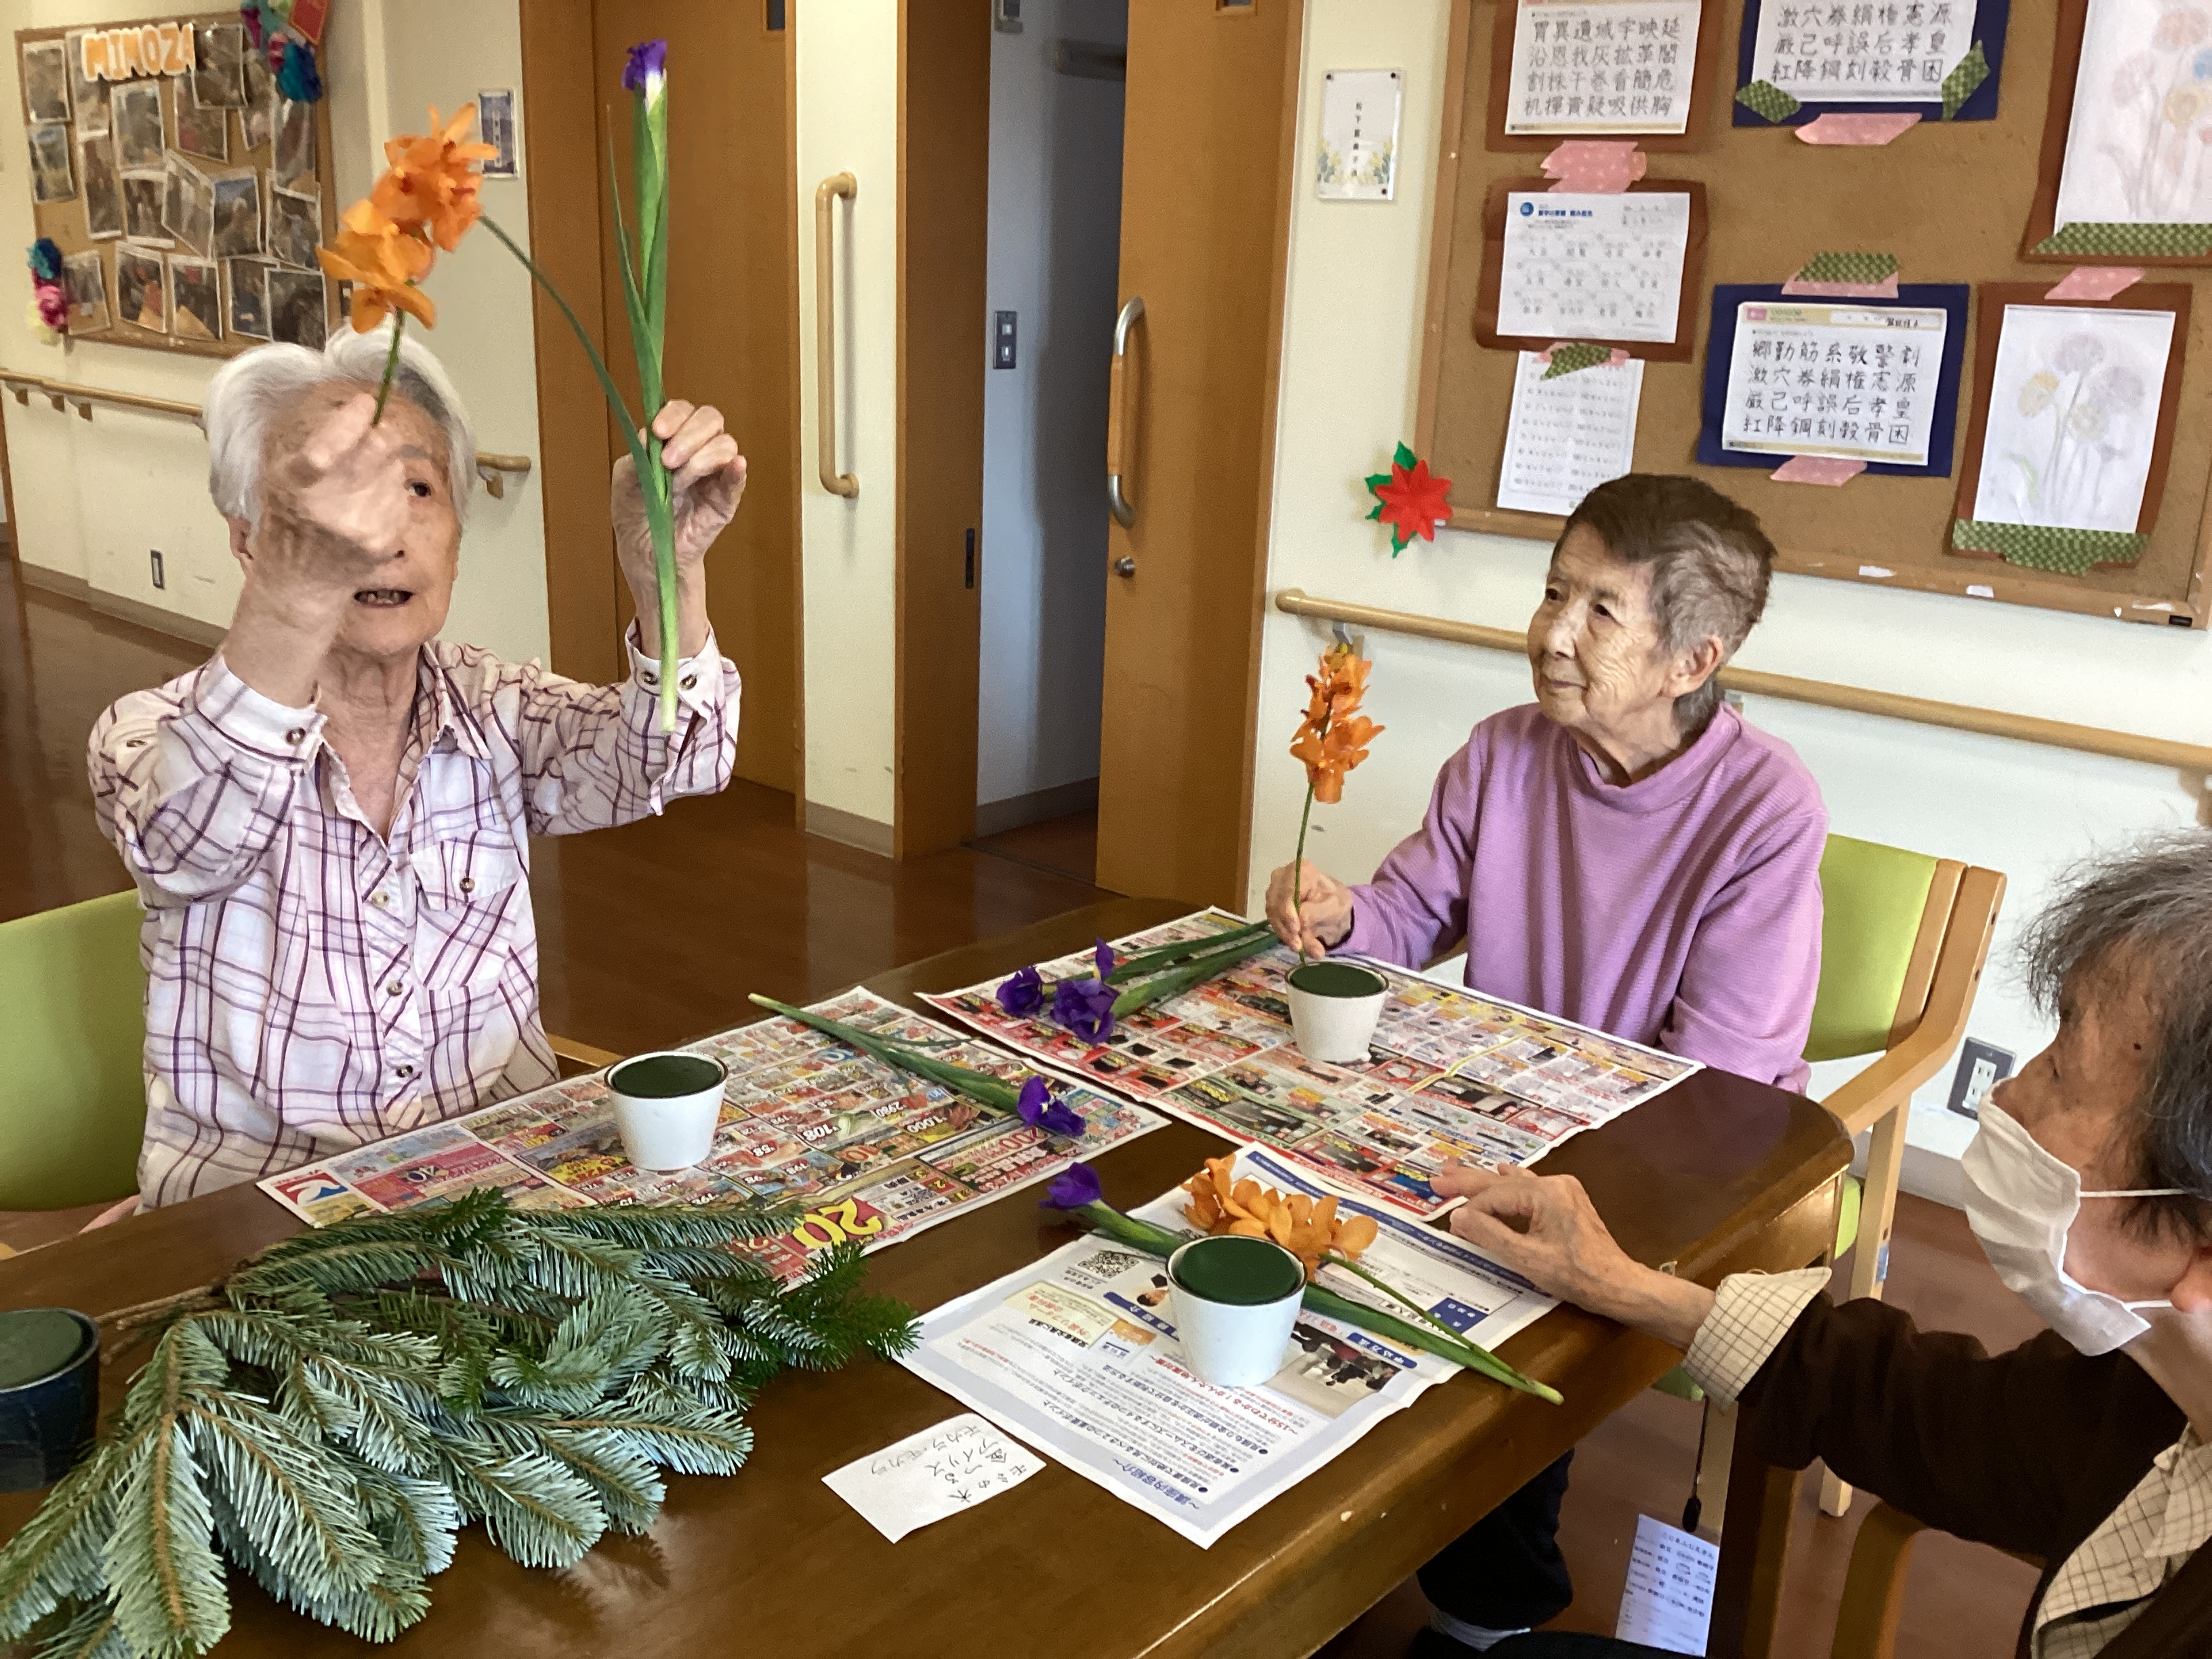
(927, 1476)
(1568, 436)
(1668, 1602)
(1603, 66)
(1593, 267)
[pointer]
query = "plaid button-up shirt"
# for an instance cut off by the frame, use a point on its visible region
(2099, 1590)
(312, 985)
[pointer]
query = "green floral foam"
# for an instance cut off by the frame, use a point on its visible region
(1337, 978)
(1243, 1272)
(664, 1077)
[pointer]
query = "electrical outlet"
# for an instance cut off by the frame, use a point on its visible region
(1981, 1066)
(1002, 341)
(160, 576)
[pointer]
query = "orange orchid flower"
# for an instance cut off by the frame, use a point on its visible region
(383, 263)
(1308, 1228)
(1333, 736)
(431, 184)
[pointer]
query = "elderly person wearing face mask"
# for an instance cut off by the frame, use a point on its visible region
(2089, 1186)
(1625, 853)
(329, 822)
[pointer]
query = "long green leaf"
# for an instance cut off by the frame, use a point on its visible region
(994, 1092)
(1146, 993)
(1156, 958)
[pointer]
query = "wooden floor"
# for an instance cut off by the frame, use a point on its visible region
(656, 933)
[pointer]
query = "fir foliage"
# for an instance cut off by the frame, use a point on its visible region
(329, 1416)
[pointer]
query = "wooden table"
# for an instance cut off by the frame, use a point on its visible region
(1717, 1175)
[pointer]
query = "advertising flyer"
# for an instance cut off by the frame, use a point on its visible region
(1451, 1074)
(1075, 1355)
(873, 1153)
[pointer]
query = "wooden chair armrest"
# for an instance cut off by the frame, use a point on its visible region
(581, 1054)
(1863, 1101)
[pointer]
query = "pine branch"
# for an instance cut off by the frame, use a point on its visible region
(89, 1630)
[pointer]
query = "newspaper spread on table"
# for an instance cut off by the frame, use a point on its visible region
(1451, 1074)
(1076, 1354)
(872, 1152)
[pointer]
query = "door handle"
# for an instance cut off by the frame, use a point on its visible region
(825, 336)
(1121, 410)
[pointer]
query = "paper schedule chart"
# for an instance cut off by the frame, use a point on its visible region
(1592, 266)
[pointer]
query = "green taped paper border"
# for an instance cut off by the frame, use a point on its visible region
(1848, 268)
(1566, 359)
(1764, 98)
(2133, 242)
(1964, 80)
(2060, 552)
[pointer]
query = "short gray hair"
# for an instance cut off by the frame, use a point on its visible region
(2148, 913)
(255, 386)
(1710, 563)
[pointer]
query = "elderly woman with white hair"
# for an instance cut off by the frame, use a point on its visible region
(1624, 852)
(328, 823)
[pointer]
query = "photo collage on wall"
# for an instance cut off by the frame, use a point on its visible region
(186, 195)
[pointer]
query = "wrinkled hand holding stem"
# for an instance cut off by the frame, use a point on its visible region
(1317, 918)
(707, 481)
(1546, 1229)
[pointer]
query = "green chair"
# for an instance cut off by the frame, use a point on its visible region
(1904, 938)
(72, 1038)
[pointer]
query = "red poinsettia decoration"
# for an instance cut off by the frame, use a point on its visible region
(1409, 499)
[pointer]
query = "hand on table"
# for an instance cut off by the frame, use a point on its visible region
(1546, 1229)
(1324, 908)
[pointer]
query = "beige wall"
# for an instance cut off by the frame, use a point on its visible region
(1349, 379)
(92, 498)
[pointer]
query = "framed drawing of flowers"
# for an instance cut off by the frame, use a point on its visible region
(2125, 172)
(2065, 464)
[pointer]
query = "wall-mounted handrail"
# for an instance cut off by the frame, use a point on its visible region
(491, 467)
(1857, 700)
(825, 336)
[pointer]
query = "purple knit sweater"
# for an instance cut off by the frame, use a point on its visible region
(1683, 910)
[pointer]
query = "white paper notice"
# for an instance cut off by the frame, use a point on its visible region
(927, 1476)
(1597, 66)
(1359, 158)
(1871, 51)
(1593, 267)
(1668, 1602)
(1856, 381)
(1568, 436)
(1078, 1354)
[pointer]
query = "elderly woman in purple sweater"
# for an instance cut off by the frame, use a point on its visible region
(1625, 853)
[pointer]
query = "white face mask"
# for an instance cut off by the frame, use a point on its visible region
(2021, 1200)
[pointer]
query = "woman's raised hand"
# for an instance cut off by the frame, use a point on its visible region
(334, 509)
(1322, 917)
(708, 481)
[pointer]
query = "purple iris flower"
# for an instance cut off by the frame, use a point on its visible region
(1072, 1188)
(1023, 994)
(1103, 956)
(648, 59)
(1040, 1110)
(1085, 1006)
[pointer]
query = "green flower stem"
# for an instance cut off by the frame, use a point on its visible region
(995, 1093)
(1147, 992)
(1298, 870)
(1442, 1342)
(391, 366)
(1156, 958)
(1345, 1262)
(652, 477)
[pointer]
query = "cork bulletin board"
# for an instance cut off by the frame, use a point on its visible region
(186, 195)
(1953, 201)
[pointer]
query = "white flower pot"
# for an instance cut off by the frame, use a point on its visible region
(1235, 1343)
(1334, 1008)
(666, 1105)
